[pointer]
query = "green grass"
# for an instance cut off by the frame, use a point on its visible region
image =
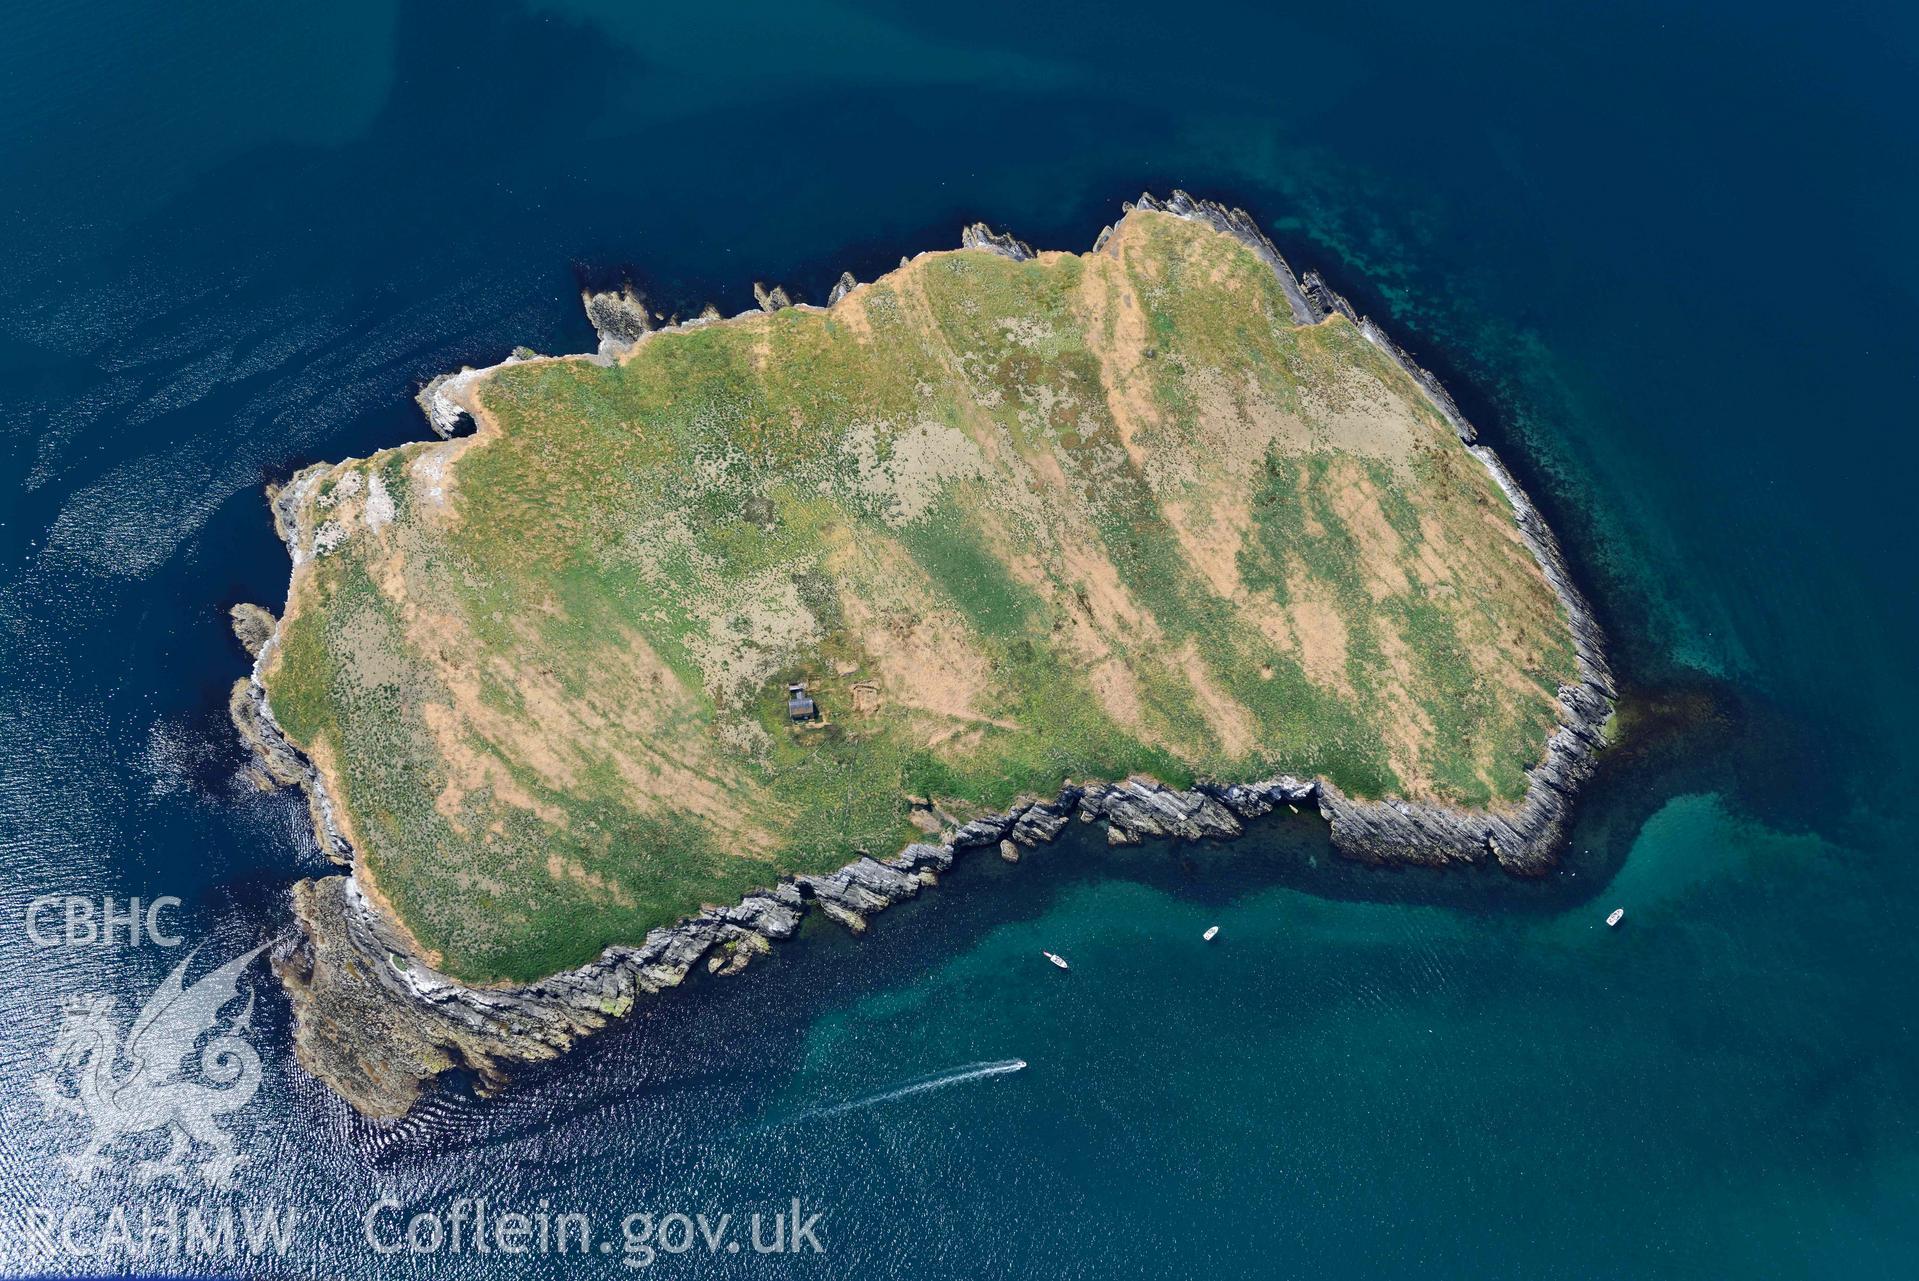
(553, 707)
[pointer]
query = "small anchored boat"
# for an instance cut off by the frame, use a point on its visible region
(1614, 917)
(1056, 959)
(1210, 932)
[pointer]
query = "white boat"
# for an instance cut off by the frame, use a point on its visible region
(1056, 959)
(1293, 808)
(1210, 932)
(1614, 917)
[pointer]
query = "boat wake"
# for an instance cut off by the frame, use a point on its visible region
(938, 1081)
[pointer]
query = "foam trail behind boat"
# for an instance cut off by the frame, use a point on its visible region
(970, 1072)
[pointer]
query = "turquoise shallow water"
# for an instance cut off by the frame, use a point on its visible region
(1660, 253)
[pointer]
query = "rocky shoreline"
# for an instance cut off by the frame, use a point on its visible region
(378, 1024)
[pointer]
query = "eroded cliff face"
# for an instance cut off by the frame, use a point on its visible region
(379, 1023)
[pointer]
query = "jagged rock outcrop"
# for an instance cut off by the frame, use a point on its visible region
(443, 413)
(1037, 822)
(772, 299)
(619, 316)
(443, 401)
(980, 236)
(1256, 800)
(845, 285)
(1142, 808)
(284, 764)
(253, 626)
(861, 888)
(272, 754)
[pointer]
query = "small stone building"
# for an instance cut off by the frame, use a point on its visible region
(799, 705)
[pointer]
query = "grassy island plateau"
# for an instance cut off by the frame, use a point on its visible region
(744, 615)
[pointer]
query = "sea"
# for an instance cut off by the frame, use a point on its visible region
(1662, 253)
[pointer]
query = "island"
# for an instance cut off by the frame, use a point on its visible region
(736, 619)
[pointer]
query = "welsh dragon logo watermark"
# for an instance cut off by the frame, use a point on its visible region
(182, 1065)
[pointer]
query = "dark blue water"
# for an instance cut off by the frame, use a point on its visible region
(1663, 254)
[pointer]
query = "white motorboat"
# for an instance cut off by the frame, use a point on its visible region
(1210, 932)
(1614, 917)
(1056, 959)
